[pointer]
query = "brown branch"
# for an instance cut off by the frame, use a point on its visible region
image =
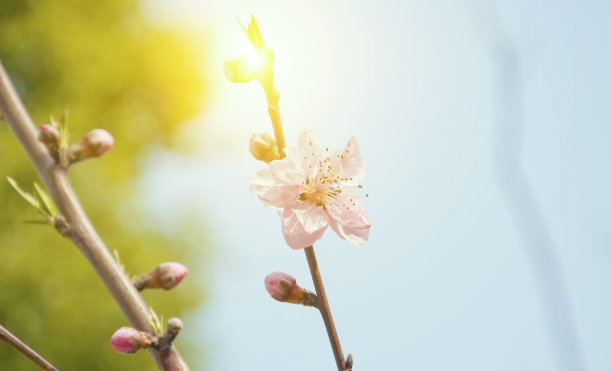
(323, 306)
(81, 232)
(19, 345)
(273, 96)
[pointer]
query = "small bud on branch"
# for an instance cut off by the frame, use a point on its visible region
(128, 340)
(50, 137)
(283, 287)
(349, 362)
(238, 70)
(173, 327)
(166, 276)
(263, 147)
(94, 144)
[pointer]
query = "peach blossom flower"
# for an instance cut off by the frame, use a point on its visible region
(313, 188)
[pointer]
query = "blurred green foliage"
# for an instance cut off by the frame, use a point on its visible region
(115, 70)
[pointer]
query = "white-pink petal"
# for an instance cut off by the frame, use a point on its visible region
(347, 164)
(348, 218)
(310, 152)
(357, 236)
(303, 223)
(347, 209)
(307, 143)
(279, 183)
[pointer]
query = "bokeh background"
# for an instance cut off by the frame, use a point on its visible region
(485, 135)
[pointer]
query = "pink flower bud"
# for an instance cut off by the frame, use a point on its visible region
(48, 135)
(263, 147)
(44, 128)
(98, 142)
(129, 340)
(271, 281)
(94, 144)
(283, 287)
(166, 276)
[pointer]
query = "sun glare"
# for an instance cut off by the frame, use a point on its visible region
(253, 59)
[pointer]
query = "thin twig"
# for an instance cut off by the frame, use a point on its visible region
(272, 97)
(323, 306)
(19, 345)
(81, 231)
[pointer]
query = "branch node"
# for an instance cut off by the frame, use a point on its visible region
(349, 362)
(61, 225)
(310, 299)
(173, 327)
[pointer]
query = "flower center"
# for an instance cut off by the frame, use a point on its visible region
(325, 185)
(314, 194)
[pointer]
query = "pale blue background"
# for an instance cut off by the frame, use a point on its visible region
(444, 282)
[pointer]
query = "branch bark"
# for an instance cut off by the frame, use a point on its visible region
(81, 232)
(24, 349)
(323, 307)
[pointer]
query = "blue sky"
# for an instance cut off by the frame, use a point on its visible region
(445, 280)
